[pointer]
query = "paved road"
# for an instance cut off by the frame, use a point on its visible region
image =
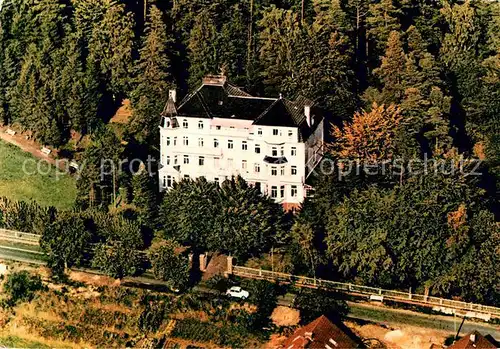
(395, 317)
(359, 311)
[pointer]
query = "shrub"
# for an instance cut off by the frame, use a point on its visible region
(314, 303)
(152, 316)
(21, 286)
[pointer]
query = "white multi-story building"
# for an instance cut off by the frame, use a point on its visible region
(220, 131)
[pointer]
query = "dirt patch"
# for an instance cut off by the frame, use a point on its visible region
(403, 337)
(217, 265)
(93, 279)
(275, 341)
(27, 144)
(123, 114)
(284, 316)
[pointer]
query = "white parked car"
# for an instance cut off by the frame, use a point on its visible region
(237, 292)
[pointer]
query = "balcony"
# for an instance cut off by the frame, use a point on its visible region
(275, 160)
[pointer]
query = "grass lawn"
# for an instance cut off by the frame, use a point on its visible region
(17, 342)
(45, 188)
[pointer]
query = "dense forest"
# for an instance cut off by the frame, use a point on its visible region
(408, 79)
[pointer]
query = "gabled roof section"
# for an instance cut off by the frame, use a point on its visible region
(276, 115)
(223, 101)
(321, 333)
(473, 340)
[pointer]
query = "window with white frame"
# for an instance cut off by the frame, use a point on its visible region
(274, 151)
(282, 191)
(184, 123)
(290, 133)
(186, 159)
(175, 160)
(201, 160)
(218, 127)
(257, 149)
(164, 182)
(294, 151)
(200, 142)
(275, 132)
(168, 141)
(274, 171)
(167, 161)
(230, 144)
(256, 168)
(282, 151)
(244, 164)
(185, 140)
(186, 176)
(259, 131)
(230, 163)
(175, 141)
(282, 170)
(169, 181)
(293, 191)
(294, 170)
(200, 125)
(217, 162)
(216, 180)
(244, 145)
(216, 143)
(274, 192)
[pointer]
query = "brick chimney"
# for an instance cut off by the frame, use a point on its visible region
(307, 113)
(214, 80)
(173, 94)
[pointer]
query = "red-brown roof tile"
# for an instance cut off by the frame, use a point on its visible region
(321, 333)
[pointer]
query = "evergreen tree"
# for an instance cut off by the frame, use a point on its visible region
(145, 197)
(330, 17)
(152, 79)
(279, 33)
(202, 45)
(391, 71)
(381, 20)
(111, 47)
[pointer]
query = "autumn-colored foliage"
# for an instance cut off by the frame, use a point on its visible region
(370, 136)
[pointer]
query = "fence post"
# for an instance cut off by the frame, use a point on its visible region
(260, 272)
(349, 287)
(229, 265)
(409, 293)
(380, 291)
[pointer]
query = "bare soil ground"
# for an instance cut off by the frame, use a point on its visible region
(92, 279)
(123, 114)
(403, 337)
(217, 265)
(284, 316)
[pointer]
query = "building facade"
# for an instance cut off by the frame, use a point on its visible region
(220, 131)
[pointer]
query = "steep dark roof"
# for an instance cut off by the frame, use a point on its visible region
(170, 109)
(218, 98)
(318, 334)
(218, 101)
